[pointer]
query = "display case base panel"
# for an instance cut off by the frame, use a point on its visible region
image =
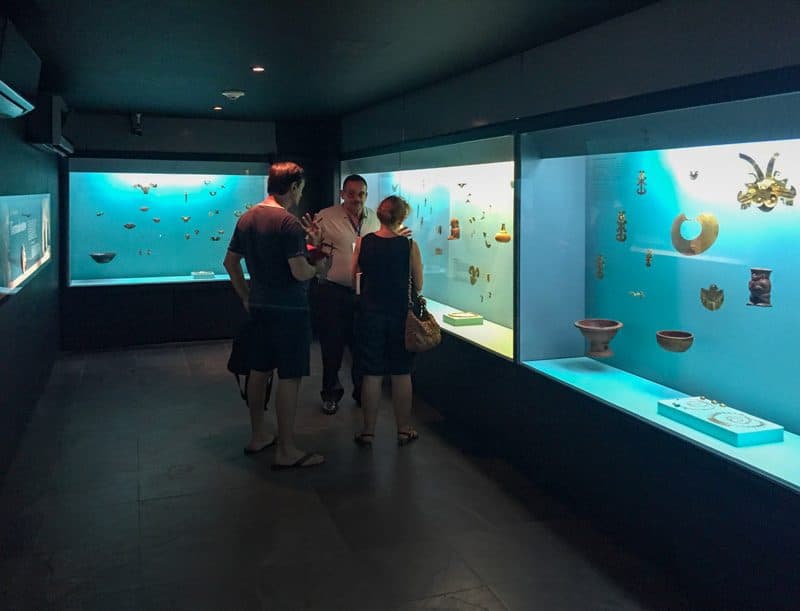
(462, 319)
(639, 397)
(721, 421)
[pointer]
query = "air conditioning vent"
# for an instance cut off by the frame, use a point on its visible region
(19, 72)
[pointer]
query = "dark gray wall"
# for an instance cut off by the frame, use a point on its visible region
(29, 322)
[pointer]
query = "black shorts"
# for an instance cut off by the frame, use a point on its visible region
(281, 339)
(381, 344)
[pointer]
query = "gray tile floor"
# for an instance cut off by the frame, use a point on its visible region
(130, 491)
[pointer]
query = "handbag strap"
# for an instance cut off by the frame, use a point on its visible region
(410, 249)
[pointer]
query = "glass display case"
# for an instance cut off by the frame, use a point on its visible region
(25, 239)
(147, 221)
(462, 218)
(659, 269)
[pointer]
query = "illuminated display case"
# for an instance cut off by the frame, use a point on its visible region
(462, 203)
(25, 239)
(149, 221)
(659, 264)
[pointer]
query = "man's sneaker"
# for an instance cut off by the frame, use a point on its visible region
(330, 407)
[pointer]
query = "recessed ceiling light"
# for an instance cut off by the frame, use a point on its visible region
(257, 68)
(217, 107)
(233, 94)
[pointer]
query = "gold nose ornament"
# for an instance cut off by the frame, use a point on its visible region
(709, 231)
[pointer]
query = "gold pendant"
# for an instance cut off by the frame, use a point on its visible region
(712, 297)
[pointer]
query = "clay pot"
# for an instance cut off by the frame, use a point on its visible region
(503, 236)
(102, 257)
(675, 341)
(599, 332)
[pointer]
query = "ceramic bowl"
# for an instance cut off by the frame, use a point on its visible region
(675, 341)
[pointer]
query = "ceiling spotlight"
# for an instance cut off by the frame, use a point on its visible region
(257, 68)
(217, 107)
(233, 94)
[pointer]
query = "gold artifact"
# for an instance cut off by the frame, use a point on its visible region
(99, 213)
(765, 189)
(156, 219)
(648, 257)
(712, 297)
(693, 174)
(488, 277)
(487, 244)
(474, 274)
(502, 236)
(129, 225)
(185, 219)
(622, 233)
(600, 267)
(641, 182)
(212, 193)
(145, 188)
(639, 294)
(215, 238)
(144, 208)
(708, 234)
(186, 235)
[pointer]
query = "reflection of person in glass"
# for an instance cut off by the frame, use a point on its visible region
(386, 260)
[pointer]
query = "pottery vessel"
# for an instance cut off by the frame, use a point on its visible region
(675, 341)
(599, 332)
(102, 257)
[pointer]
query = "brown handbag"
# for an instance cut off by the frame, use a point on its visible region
(422, 330)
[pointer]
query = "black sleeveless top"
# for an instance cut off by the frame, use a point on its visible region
(384, 264)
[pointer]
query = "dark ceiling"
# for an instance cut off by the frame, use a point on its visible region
(323, 58)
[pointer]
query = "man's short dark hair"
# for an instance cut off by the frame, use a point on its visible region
(282, 175)
(354, 178)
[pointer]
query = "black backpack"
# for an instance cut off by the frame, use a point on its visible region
(238, 366)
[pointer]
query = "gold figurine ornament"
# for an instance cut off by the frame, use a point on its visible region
(648, 257)
(622, 221)
(474, 274)
(709, 231)
(712, 298)
(641, 189)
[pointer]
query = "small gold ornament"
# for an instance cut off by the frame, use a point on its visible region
(622, 221)
(712, 298)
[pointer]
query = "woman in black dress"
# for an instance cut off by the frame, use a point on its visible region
(384, 259)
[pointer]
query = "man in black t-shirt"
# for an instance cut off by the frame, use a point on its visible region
(273, 243)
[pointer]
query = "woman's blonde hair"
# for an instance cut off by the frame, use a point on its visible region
(393, 210)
